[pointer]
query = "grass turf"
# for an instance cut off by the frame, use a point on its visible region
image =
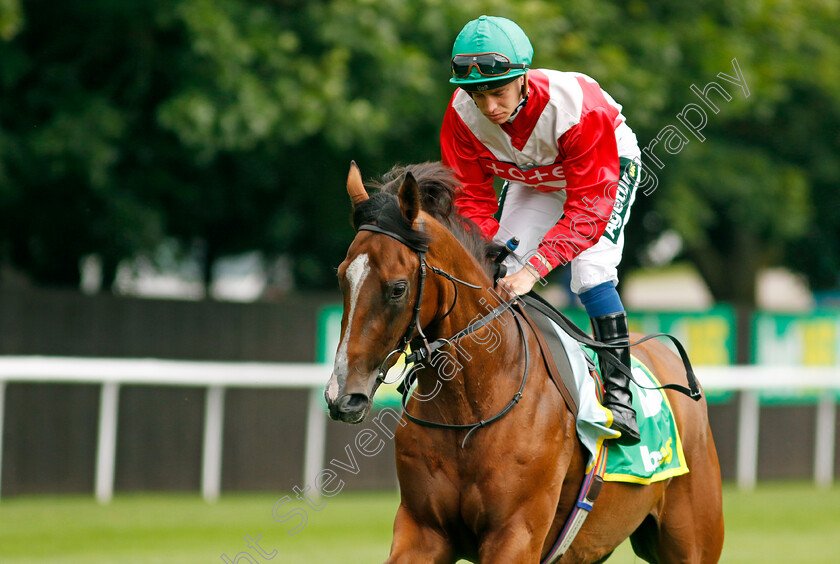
(777, 523)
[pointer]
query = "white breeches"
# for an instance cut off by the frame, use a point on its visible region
(529, 214)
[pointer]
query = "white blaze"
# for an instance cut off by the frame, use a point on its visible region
(355, 274)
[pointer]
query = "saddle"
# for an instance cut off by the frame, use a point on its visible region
(539, 315)
(658, 457)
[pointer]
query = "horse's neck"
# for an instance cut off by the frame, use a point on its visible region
(458, 305)
(478, 362)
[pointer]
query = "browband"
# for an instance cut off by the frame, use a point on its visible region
(391, 234)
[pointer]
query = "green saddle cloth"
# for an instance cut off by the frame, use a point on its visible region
(659, 455)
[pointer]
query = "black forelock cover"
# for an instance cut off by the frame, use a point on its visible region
(438, 188)
(383, 210)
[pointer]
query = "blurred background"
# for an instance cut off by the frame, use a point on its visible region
(172, 185)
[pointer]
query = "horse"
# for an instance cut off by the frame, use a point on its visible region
(416, 272)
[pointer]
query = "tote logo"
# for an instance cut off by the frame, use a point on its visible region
(550, 175)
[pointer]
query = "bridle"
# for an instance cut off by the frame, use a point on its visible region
(414, 324)
(424, 350)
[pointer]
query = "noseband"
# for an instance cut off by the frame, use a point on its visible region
(425, 350)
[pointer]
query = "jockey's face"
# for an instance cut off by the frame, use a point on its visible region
(498, 104)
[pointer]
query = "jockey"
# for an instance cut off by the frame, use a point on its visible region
(570, 165)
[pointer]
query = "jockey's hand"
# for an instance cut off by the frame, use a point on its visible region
(521, 281)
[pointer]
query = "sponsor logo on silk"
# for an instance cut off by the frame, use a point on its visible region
(622, 194)
(619, 211)
(550, 175)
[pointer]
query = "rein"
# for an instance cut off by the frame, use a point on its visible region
(425, 350)
(428, 349)
(484, 422)
(421, 283)
(693, 389)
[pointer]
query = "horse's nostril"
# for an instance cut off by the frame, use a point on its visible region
(352, 403)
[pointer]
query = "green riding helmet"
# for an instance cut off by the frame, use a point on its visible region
(488, 53)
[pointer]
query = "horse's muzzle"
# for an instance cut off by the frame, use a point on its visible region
(349, 408)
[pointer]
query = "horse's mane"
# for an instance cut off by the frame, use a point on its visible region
(437, 198)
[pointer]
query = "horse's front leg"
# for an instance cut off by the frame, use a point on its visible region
(415, 543)
(519, 540)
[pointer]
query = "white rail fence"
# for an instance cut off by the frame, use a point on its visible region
(217, 376)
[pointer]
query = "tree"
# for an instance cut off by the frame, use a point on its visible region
(74, 88)
(740, 193)
(223, 123)
(228, 125)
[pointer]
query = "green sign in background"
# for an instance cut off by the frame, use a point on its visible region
(795, 340)
(329, 333)
(708, 336)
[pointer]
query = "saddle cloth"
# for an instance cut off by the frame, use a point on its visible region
(659, 455)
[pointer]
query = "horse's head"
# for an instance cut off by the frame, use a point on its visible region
(379, 281)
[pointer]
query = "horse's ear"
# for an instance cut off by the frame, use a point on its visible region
(409, 198)
(355, 187)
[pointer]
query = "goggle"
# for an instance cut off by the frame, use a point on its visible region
(487, 64)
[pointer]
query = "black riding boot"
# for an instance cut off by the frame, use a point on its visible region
(612, 330)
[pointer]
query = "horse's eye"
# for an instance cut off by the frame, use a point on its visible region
(398, 290)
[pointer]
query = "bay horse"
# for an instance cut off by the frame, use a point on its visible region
(416, 269)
